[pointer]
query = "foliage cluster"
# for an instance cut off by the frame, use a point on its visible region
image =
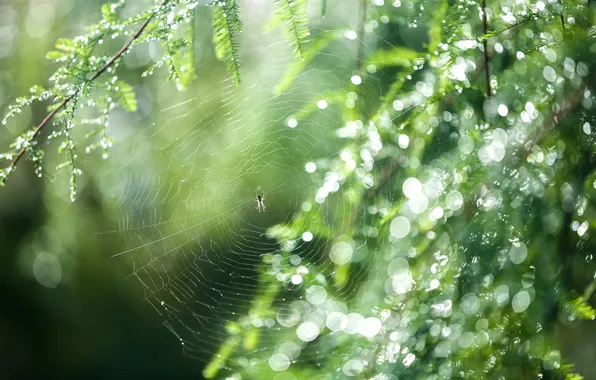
(486, 135)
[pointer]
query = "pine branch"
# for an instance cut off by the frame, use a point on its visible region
(226, 25)
(293, 14)
(510, 28)
(64, 102)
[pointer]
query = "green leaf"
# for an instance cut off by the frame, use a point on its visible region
(436, 29)
(226, 26)
(56, 55)
(184, 63)
(321, 42)
(108, 11)
(65, 44)
(397, 56)
(579, 308)
(292, 13)
(567, 370)
(127, 96)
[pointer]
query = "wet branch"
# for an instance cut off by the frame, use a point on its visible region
(66, 100)
(485, 44)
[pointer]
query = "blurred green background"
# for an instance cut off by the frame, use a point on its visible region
(70, 309)
(67, 307)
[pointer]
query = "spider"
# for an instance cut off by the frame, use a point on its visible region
(261, 203)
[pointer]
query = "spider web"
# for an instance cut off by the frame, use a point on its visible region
(186, 193)
(186, 196)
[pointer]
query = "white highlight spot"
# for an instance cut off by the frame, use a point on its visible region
(356, 79)
(351, 35)
(434, 284)
(336, 321)
(502, 294)
(465, 144)
(521, 301)
(307, 236)
(288, 316)
(412, 187)
(402, 282)
(353, 368)
(292, 123)
(403, 141)
(549, 74)
(307, 331)
(370, 327)
(296, 279)
(503, 110)
(583, 228)
(496, 151)
(470, 303)
(409, 359)
(418, 204)
(354, 321)
(316, 294)
(399, 227)
(341, 253)
(47, 270)
(437, 213)
(433, 188)
(454, 200)
(322, 104)
(310, 167)
(518, 253)
(279, 362)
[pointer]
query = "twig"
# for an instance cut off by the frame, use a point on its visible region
(361, 31)
(485, 44)
(562, 18)
(64, 102)
(571, 102)
(360, 53)
(509, 29)
(523, 371)
(590, 290)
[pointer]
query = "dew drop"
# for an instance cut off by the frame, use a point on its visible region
(518, 253)
(370, 327)
(336, 321)
(341, 253)
(454, 200)
(521, 301)
(307, 236)
(399, 227)
(412, 187)
(279, 362)
(307, 331)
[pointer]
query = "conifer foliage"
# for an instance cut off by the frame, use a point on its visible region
(485, 131)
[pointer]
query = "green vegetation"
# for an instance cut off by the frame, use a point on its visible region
(428, 168)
